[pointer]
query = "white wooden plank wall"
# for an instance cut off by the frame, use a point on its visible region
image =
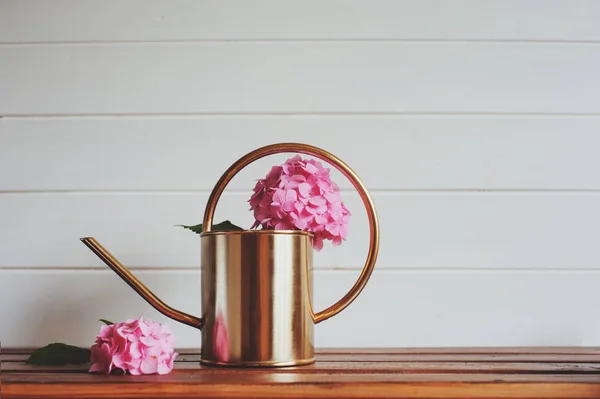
(475, 124)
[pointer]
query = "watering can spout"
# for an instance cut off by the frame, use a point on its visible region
(139, 287)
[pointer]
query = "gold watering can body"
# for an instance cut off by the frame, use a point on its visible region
(257, 284)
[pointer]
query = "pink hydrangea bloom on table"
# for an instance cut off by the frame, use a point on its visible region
(135, 346)
(300, 195)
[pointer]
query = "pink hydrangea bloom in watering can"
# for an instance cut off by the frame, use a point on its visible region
(257, 283)
(300, 195)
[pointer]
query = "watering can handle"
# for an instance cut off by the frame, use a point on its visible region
(346, 171)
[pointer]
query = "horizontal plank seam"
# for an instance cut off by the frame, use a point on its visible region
(457, 40)
(347, 372)
(412, 351)
(593, 359)
(351, 270)
(242, 191)
(306, 115)
(298, 113)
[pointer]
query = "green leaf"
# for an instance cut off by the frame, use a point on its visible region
(223, 226)
(58, 354)
(108, 323)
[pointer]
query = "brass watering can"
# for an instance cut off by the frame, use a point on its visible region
(257, 284)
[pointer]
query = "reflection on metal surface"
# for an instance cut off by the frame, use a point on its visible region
(220, 339)
(259, 286)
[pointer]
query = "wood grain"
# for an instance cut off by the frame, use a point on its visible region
(480, 350)
(391, 357)
(367, 367)
(541, 372)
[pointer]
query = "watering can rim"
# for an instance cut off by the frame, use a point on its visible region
(258, 232)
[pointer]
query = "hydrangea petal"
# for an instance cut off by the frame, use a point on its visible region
(318, 201)
(318, 244)
(320, 219)
(310, 168)
(304, 189)
(333, 228)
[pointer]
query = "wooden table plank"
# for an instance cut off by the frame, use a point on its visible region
(533, 354)
(392, 373)
(339, 387)
(384, 357)
(245, 377)
(552, 350)
(361, 367)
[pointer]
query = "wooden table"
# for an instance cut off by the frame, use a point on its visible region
(351, 373)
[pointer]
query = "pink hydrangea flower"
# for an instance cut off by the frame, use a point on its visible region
(300, 195)
(134, 346)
